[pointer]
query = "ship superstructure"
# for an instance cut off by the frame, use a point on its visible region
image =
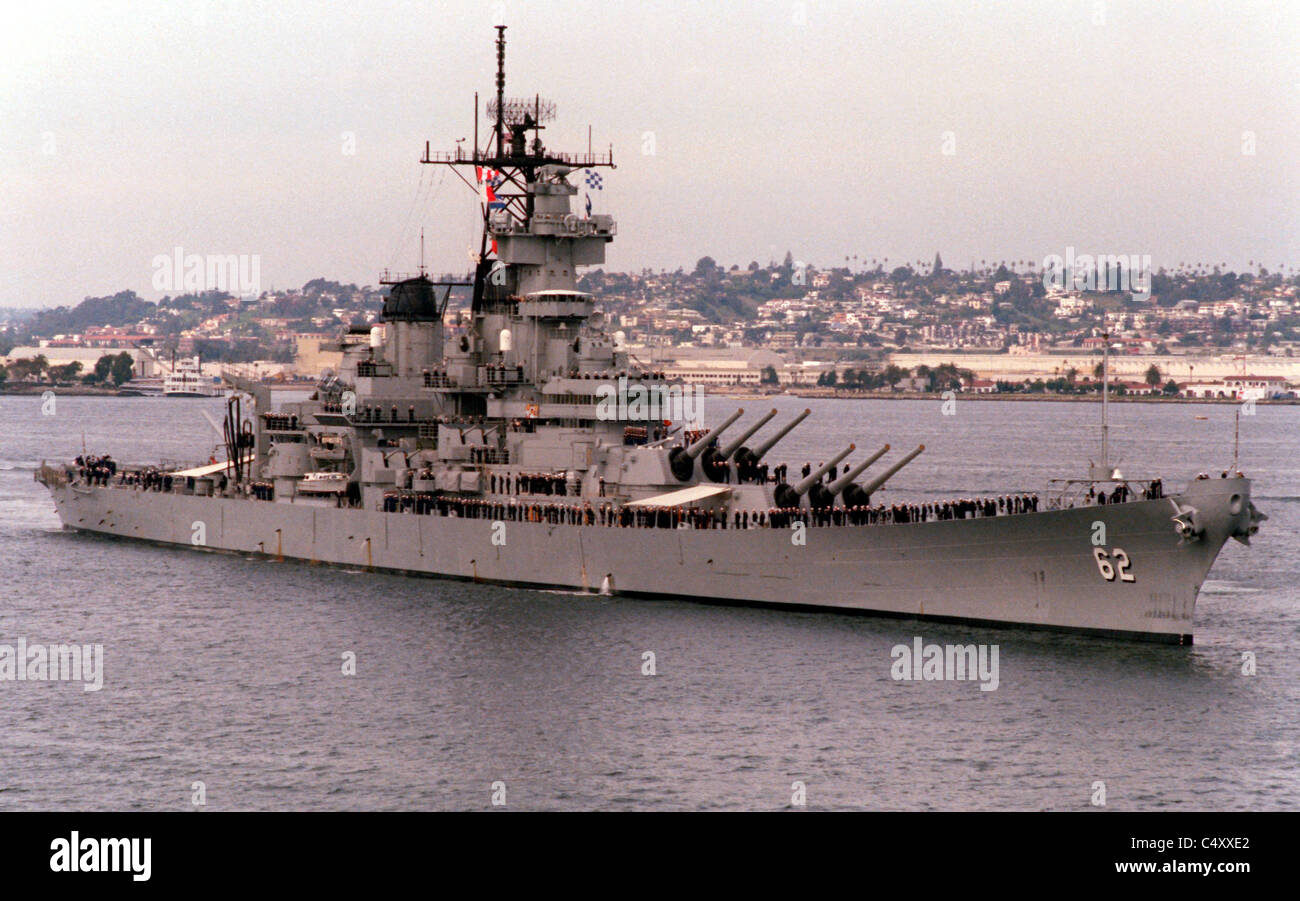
(523, 444)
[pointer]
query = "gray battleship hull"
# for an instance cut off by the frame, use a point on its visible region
(1036, 569)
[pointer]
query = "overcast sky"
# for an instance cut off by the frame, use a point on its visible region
(129, 129)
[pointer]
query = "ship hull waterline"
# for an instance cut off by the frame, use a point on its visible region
(1035, 570)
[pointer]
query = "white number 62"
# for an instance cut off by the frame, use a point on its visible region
(1120, 566)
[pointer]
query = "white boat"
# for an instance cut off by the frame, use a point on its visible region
(142, 387)
(187, 380)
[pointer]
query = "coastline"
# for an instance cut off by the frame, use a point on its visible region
(1048, 398)
(30, 390)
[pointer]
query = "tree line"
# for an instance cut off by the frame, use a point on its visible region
(110, 369)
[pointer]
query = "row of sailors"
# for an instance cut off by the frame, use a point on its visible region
(635, 435)
(1154, 491)
(149, 479)
(694, 517)
(528, 483)
(96, 470)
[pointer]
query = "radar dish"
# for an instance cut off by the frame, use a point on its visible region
(523, 110)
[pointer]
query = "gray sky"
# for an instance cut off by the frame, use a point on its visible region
(1113, 127)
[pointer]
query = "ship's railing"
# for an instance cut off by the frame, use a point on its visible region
(1065, 494)
(379, 413)
(509, 376)
(494, 455)
(279, 422)
(437, 380)
(370, 369)
(610, 514)
(577, 160)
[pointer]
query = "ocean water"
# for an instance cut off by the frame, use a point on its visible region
(228, 671)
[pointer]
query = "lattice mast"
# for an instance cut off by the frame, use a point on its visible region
(511, 159)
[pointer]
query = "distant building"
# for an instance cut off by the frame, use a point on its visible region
(309, 359)
(1269, 385)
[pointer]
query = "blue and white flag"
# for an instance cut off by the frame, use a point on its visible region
(595, 183)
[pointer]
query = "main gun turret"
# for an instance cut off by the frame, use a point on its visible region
(682, 459)
(788, 495)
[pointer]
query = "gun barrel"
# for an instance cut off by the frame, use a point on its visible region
(802, 486)
(734, 446)
(843, 481)
(888, 473)
(698, 447)
(781, 433)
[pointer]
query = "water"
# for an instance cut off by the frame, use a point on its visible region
(227, 670)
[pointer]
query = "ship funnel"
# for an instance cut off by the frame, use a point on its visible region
(888, 473)
(801, 487)
(745, 436)
(845, 480)
(781, 433)
(698, 447)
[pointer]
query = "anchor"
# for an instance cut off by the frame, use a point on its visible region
(1252, 524)
(1185, 522)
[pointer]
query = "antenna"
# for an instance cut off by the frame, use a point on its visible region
(1105, 400)
(1236, 440)
(501, 88)
(422, 272)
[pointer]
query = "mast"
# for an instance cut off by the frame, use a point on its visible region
(512, 166)
(501, 88)
(1105, 400)
(1236, 441)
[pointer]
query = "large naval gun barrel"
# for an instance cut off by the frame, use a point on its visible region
(845, 480)
(860, 495)
(734, 446)
(821, 496)
(770, 443)
(715, 458)
(682, 459)
(747, 460)
(788, 495)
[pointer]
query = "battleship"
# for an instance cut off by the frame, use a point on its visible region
(512, 444)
